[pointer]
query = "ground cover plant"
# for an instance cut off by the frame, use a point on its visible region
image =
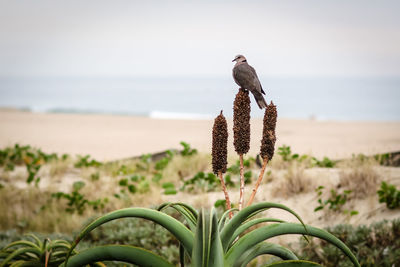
(335, 202)
(286, 153)
(140, 244)
(390, 195)
(33, 159)
(374, 245)
(34, 252)
(77, 202)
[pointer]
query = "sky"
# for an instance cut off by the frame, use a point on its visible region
(46, 38)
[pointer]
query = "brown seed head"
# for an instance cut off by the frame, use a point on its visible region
(241, 122)
(269, 137)
(220, 144)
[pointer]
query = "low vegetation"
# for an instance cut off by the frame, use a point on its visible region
(170, 174)
(95, 187)
(359, 175)
(295, 181)
(374, 245)
(335, 202)
(390, 195)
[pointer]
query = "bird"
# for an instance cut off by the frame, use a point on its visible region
(246, 77)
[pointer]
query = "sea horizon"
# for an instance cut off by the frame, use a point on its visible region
(320, 98)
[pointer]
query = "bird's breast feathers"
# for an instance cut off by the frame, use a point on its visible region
(246, 77)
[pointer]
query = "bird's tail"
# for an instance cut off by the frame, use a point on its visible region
(260, 100)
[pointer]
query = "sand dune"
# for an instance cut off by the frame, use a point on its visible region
(108, 137)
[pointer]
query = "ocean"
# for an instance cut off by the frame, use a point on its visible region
(351, 99)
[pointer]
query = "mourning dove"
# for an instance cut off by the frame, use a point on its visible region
(246, 77)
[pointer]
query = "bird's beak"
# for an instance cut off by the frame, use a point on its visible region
(234, 59)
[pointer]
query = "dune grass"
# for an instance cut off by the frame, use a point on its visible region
(295, 181)
(31, 209)
(360, 176)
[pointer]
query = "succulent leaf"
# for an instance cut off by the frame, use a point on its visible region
(245, 226)
(265, 232)
(122, 253)
(183, 234)
(207, 250)
(293, 263)
(188, 212)
(243, 215)
(262, 249)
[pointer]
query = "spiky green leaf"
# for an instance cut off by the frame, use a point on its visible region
(263, 249)
(246, 213)
(17, 253)
(293, 263)
(207, 250)
(128, 254)
(245, 226)
(265, 232)
(189, 213)
(183, 234)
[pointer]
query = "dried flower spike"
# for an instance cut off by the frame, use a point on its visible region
(269, 137)
(220, 153)
(241, 132)
(267, 144)
(241, 122)
(220, 144)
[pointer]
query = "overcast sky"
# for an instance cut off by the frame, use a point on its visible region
(162, 38)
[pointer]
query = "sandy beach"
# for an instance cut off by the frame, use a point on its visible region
(109, 137)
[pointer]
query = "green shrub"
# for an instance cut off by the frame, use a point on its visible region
(234, 169)
(187, 150)
(85, 161)
(374, 245)
(31, 157)
(201, 181)
(95, 176)
(390, 195)
(335, 202)
(144, 164)
(77, 202)
(169, 189)
(286, 153)
(324, 163)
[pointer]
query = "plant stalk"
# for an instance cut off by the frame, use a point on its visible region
(241, 193)
(47, 258)
(260, 177)
(227, 200)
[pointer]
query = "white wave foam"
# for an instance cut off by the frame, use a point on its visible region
(178, 115)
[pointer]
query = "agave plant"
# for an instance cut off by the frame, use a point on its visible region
(33, 252)
(206, 240)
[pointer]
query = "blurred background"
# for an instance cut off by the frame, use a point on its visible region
(325, 60)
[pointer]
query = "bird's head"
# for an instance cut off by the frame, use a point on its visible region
(239, 59)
